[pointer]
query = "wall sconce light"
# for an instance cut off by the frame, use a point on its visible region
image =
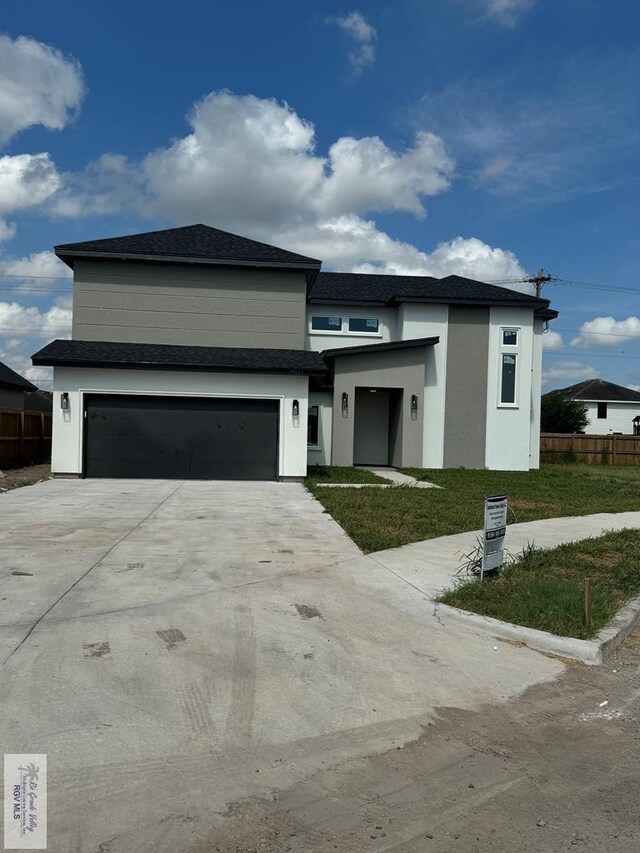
(64, 402)
(295, 409)
(414, 406)
(345, 404)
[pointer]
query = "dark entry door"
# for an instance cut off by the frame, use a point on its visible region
(180, 438)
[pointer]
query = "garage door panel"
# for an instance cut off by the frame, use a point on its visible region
(181, 437)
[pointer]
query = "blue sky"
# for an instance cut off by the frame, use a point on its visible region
(486, 138)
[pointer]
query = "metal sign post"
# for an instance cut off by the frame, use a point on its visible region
(495, 529)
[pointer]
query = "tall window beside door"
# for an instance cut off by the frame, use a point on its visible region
(509, 357)
(313, 432)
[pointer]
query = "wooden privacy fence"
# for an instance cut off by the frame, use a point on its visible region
(25, 438)
(591, 449)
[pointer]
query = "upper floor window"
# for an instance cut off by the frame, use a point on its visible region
(347, 326)
(602, 410)
(326, 324)
(359, 324)
(509, 359)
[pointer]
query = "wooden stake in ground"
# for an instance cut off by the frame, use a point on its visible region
(587, 602)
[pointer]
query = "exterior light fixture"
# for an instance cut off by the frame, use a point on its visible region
(295, 409)
(345, 404)
(636, 425)
(64, 401)
(414, 406)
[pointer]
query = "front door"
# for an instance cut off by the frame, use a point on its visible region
(371, 427)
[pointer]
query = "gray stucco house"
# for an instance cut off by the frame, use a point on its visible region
(200, 353)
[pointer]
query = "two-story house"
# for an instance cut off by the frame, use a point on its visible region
(196, 353)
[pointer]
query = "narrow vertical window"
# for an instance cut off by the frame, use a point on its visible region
(602, 410)
(508, 378)
(312, 427)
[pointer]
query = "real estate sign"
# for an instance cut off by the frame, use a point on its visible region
(495, 529)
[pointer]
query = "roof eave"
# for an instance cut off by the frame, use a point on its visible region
(145, 365)
(68, 257)
(388, 346)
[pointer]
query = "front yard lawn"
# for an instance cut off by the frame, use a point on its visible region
(544, 589)
(386, 518)
(333, 474)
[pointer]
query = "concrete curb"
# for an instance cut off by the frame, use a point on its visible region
(591, 652)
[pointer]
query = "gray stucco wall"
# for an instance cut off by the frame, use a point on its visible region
(11, 399)
(391, 369)
(192, 304)
(465, 417)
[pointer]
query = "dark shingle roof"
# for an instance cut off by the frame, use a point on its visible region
(168, 357)
(390, 345)
(10, 379)
(596, 389)
(371, 287)
(190, 243)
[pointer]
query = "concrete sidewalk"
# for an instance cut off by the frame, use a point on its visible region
(431, 566)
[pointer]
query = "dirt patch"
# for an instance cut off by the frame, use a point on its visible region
(17, 477)
(307, 611)
(96, 650)
(171, 637)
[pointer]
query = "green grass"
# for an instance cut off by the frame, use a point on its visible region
(544, 589)
(386, 518)
(333, 474)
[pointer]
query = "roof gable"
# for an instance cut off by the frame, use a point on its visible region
(10, 379)
(192, 243)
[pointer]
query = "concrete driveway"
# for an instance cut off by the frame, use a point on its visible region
(183, 651)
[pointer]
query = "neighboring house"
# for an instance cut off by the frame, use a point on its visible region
(38, 401)
(13, 388)
(198, 353)
(610, 408)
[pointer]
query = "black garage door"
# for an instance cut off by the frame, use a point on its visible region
(180, 438)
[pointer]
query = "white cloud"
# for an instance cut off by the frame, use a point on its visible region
(568, 372)
(26, 180)
(42, 270)
(607, 332)
(17, 320)
(250, 165)
(552, 340)
(39, 85)
(504, 12)
(365, 175)
(363, 35)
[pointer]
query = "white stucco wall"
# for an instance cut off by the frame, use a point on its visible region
(619, 418)
(68, 427)
(319, 341)
(536, 393)
(426, 321)
(321, 455)
(509, 426)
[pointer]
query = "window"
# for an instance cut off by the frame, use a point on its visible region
(509, 337)
(358, 324)
(508, 379)
(602, 410)
(313, 427)
(326, 324)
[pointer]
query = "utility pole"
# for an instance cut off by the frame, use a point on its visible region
(540, 279)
